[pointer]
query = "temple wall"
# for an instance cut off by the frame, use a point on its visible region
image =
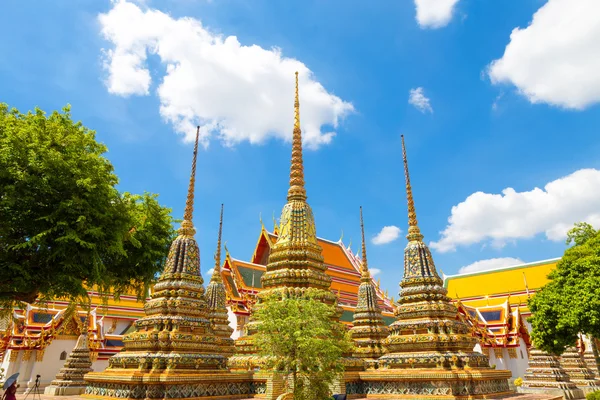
(233, 323)
(514, 360)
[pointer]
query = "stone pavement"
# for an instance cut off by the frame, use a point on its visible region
(512, 397)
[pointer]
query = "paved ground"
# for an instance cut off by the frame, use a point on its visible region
(514, 397)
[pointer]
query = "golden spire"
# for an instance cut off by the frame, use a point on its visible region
(365, 268)
(414, 233)
(187, 226)
(297, 190)
(216, 275)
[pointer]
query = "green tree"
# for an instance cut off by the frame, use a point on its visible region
(301, 338)
(570, 302)
(64, 227)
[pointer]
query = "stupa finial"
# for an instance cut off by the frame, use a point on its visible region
(414, 233)
(187, 226)
(365, 269)
(297, 190)
(216, 275)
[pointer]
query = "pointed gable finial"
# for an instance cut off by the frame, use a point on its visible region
(216, 275)
(414, 233)
(365, 268)
(297, 190)
(187, 226)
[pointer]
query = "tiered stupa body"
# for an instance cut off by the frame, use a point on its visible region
(215, 298)
(430, 350)
(545, 375)
(368, 330)
(589, 356)
(295, 265)
(574, 366)
(174, 351)
(69, 380)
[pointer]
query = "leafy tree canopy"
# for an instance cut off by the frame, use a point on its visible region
(64, 227)
(302, 338)
(570, 302)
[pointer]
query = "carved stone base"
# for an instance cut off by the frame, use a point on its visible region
(565, 393)
(417, 383)
(174, 384)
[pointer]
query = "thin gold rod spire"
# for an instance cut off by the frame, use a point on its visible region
(187, 227)
(297, 190)
(414, 233)
(216, 275)
(365, 268)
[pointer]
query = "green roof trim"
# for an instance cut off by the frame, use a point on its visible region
(388, 320)
(347, 316)
(250, 274)
(232, 285)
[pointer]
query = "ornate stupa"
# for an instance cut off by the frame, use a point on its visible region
(174, 351)
(69, 380)
(545, 375)
(574, 366)
(215, 298)
(368, 329)
(589, 356)
(295, 266)
(428, 343)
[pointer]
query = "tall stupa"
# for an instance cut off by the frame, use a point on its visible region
(430, 350)
(179, 349)
(368, 331)
(295, 266)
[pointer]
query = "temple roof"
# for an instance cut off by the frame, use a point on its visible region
(243, 278)
(493, 287)
(497, 326)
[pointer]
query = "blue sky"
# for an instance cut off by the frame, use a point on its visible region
(473, 129)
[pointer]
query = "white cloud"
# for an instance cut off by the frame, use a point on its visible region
(434, 13)
(417, 98)
(492, 263)
(210, 272)
(501, 218)
(555, 59)
(235, 92)
(374, 271)
(386, 235)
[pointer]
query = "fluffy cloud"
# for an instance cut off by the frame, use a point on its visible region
(555, 59)
(492, 263)
(235, 92)
(374, 271)
(210, 272)
(417, 98)
(386, 235)
(499, 218)
(434, 13)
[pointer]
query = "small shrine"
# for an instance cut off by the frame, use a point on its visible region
(69, 381)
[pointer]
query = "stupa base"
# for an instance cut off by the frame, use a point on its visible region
(174, 384)
(428, 384)
(561, 392)
(57, 390)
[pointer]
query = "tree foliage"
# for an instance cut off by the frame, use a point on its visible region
(570, 302)
(64, 226)
(302, 338)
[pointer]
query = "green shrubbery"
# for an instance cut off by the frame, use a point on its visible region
(593, 396)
